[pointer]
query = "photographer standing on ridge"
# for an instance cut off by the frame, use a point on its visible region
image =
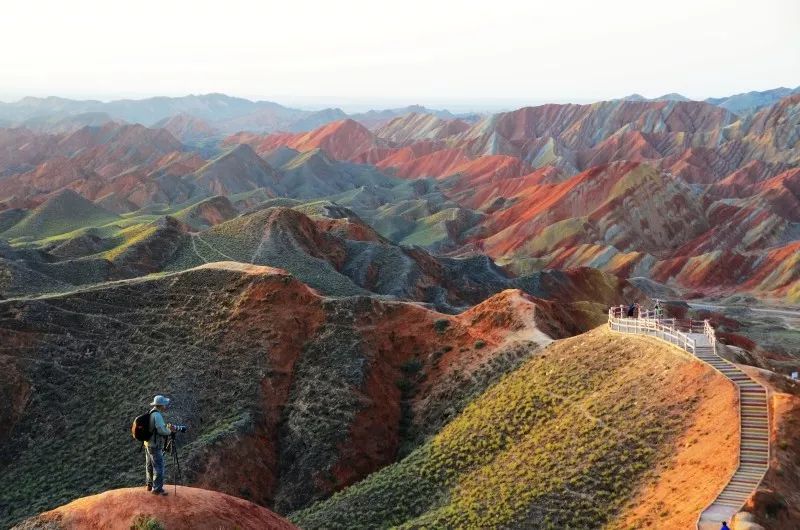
(154, 446)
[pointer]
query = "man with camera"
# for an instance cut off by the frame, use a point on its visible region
(154, 446)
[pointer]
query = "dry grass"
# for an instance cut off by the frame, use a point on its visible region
(565, 441)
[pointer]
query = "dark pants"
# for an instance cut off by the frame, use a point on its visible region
(154, 466)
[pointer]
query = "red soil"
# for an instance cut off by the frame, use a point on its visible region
(189, 509)
(770, 272)
(283, 312)
(537, 207)
(395, 333)
(702, 459)
(438, 163)
(341, 140)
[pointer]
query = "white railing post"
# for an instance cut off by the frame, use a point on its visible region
(667, 329)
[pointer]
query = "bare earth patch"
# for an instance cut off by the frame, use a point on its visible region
(702, 461)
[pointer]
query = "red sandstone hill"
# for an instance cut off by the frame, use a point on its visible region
(342, 351)
(86, 160)
(188, 509)
(414, 127)
(689, 138)
(627, 205)
(343, 140)
(112, 147)
(699, 141)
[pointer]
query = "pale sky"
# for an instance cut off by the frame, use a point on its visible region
(356, 53)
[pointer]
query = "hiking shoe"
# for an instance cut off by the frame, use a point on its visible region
(159, 492)
(149, 487)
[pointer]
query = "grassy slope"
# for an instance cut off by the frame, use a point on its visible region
(120, 347)
(260, 238)
(563, 442)
(64, 213)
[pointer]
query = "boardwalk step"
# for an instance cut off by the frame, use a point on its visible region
(728, 494)
(743, 488)
(751, 473)
(725, 505)
(733, 496)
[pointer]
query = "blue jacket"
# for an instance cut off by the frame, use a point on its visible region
(158, 426)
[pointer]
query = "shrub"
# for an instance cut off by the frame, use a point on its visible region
(479, 344)
(405, 386)
(441, 325)
(774, 507)
(146, 522)
(412, 366)
(436, 357)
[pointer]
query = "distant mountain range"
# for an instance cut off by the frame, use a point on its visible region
(753, 101)
(209, 113)
(195, 117)
(741, 104)
(673, 96)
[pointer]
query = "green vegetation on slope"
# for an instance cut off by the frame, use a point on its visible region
(99, 355)
(562, 442)
(456, 390)
(63, 213)
(272, 236)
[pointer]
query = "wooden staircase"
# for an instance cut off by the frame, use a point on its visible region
(754, 444)
(754, 449)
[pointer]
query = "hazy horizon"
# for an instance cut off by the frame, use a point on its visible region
(321, 102)
(313, 103)
(359, 55)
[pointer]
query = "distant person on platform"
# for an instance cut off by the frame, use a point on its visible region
(631, 309)
(154, 447)
(724, 526)
(658, 310)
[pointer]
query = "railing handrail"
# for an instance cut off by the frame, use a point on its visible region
(708, 331)
(666, 327)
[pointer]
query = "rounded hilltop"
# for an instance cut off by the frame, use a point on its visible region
(188, 509)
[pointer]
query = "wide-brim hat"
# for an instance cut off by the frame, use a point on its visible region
(160, 401)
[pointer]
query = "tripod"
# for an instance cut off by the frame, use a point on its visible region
(171, 447)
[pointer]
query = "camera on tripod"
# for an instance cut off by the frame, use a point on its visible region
(171, 448)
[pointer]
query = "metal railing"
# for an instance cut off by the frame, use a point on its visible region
(708, 331)
(645, 323)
